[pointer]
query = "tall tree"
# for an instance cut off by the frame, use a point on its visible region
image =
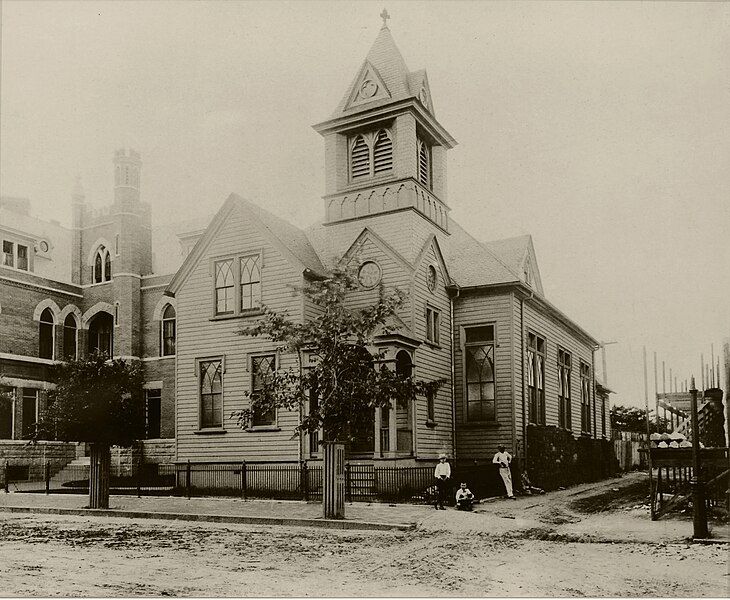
(632, 418)
(98, 401)
(344, 380)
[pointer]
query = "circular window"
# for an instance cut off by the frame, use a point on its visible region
(44, 246)
(368, 88)
(432, 279)
(369, 274)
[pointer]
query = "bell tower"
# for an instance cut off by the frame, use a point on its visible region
(384, 149)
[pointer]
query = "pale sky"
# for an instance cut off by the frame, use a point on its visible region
(599, 128)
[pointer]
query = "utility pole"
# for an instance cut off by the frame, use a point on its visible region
(699, 512)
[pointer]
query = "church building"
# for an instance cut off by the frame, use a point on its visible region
(475, 316)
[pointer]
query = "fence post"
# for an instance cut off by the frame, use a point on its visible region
(348, 483)
(244, 482)
(187, 479)
(47, 476)
(139, 482)
(7, 489)
(305, 480)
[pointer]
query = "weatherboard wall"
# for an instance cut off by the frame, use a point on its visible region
(201, 336)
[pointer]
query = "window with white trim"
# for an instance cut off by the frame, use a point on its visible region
(479, 373)
(168, 332)
(16, 256)
(536, 378)
(211, 393)
(433, 325)
(585, 397)
(262, 371)
(224, 287)
(238, 284)
(250, 278)
(564, 389)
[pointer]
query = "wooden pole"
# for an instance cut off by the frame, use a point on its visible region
(702, 372)
(648, 442)
(699, 512)
(712, 366)
(664, 379)
(656, 392)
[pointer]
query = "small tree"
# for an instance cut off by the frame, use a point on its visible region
(346, 379)
(99, 401)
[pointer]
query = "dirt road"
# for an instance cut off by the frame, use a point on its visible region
(75, 556)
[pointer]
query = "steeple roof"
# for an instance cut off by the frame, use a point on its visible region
(385, 67)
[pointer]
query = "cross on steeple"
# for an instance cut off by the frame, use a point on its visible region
(385, 16)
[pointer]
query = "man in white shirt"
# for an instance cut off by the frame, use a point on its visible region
(503, 459)
(442, 474)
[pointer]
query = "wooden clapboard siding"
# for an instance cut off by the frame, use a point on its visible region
(557, 335)
(432, 362)
(395, 275)
(406, 231)
(479, 441)
(198, 337)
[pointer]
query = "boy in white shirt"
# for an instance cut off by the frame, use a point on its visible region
(464, 498)
(503, 459)
(442, 473)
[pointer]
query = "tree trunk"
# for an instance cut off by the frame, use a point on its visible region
(99, 476)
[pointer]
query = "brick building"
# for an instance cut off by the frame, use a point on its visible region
(476, 313)
(68, 292)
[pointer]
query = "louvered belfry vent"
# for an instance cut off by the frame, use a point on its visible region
(382, 153)
(424, 167)
(360, 158)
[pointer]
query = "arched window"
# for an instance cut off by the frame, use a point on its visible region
(101, 334)
(403, 364)
(211, 394)
(168, 331)
(250, 282)
(359, 158)
(382, 153)
(424, 164)
(46, 337)
(70, 331)
(102, 265)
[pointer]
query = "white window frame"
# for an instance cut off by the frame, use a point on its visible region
(433, 330)
(464, 346)
(236, 259)
(198, 378)
(266, 426)
(15, 255)
(163, 320)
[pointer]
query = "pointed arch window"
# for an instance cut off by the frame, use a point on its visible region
(46, 334)
(480, 392)
(101, 334)
(250, 282)
(224, 287)
(102, 265)
(424, 164)
(371, 154)
(382, 153)
(211, 393)
(168, 331)
(70, 337)
(360, 158)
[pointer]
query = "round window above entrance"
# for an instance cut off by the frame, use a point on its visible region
(432, 279)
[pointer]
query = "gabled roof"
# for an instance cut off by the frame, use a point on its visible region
(387, 61)
(472, 264)
(292, 240)
(511, 251)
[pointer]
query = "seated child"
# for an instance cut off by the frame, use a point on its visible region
(464, 498)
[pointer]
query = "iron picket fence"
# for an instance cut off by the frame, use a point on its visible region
(364, 482)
